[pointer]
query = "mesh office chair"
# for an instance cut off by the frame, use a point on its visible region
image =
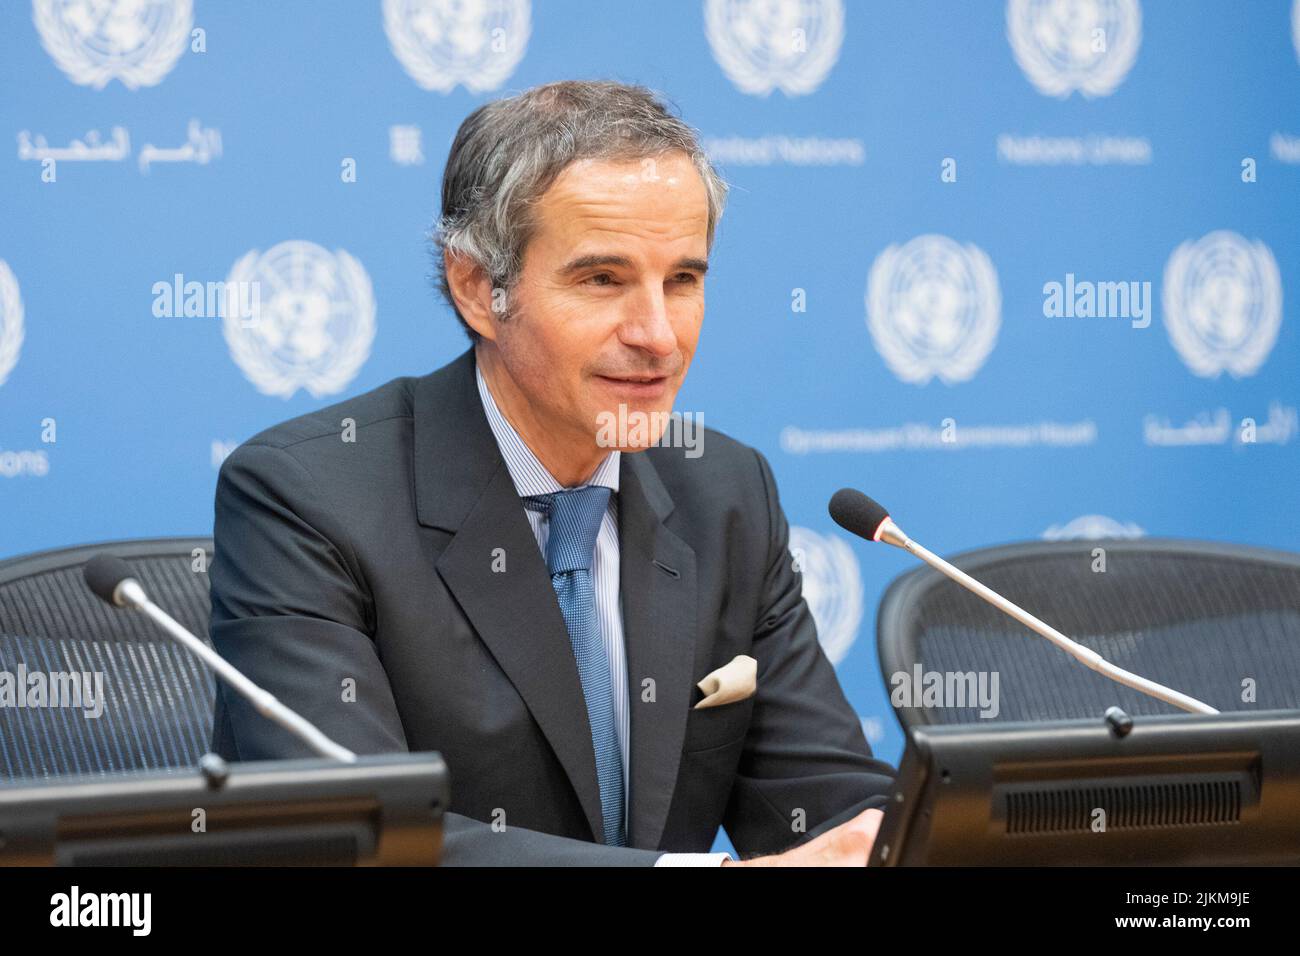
(1201, 618)
(158, 700)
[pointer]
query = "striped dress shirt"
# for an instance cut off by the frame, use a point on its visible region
(530, 478)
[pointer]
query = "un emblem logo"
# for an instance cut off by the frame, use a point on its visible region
(1222, 299)
(135, 41)
(832, 586)
(1068, 45)
(1092, 528)
(11, 321)
(315, 323)
(444, 42)
(933, 308)
(765, 44)
(1295, 27)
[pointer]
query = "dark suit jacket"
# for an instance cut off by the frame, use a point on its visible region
(373, 560)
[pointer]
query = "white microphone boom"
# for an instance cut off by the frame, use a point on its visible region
(109, 577)
(868, 519)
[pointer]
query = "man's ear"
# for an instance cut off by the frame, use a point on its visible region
(472, 291)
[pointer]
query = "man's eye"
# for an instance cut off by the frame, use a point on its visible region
(600, 278)
(686, 277)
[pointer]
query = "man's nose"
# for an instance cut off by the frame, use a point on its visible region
(647, 326)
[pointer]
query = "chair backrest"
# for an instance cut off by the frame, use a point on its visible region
(157, 700)
(1219, 622)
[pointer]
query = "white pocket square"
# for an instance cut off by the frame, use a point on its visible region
(729, 683)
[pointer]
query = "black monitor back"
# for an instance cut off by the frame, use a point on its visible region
(1176, 790)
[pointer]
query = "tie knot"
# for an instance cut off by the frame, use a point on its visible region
(575, 518)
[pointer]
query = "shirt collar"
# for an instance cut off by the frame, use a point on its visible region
(530, 475)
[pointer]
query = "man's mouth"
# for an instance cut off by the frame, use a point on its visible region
(642, 386)
(636, 379)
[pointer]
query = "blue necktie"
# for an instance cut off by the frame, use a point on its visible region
(575, 518)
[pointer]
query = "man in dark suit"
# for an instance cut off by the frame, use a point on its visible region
(488, 562)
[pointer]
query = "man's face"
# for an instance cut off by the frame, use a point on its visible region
(609, 303)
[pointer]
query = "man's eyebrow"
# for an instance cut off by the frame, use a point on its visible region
(688, 263)
(691, 264)
(591, 261)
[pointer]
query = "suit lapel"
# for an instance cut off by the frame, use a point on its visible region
(659, 631)
(462, 485)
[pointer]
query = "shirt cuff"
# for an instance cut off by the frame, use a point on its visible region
(692, 859)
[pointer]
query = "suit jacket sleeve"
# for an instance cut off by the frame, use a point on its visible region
(291, 609)
(806, 765)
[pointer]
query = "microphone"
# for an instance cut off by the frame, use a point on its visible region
(855, 512)
(110, 578)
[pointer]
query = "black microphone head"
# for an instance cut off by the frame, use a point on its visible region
(103, 573)
(853, 511)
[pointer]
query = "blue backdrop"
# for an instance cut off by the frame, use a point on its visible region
(909, 180)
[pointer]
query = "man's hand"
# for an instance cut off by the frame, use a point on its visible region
(849, 844)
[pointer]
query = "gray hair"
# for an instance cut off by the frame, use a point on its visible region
(508, 152)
